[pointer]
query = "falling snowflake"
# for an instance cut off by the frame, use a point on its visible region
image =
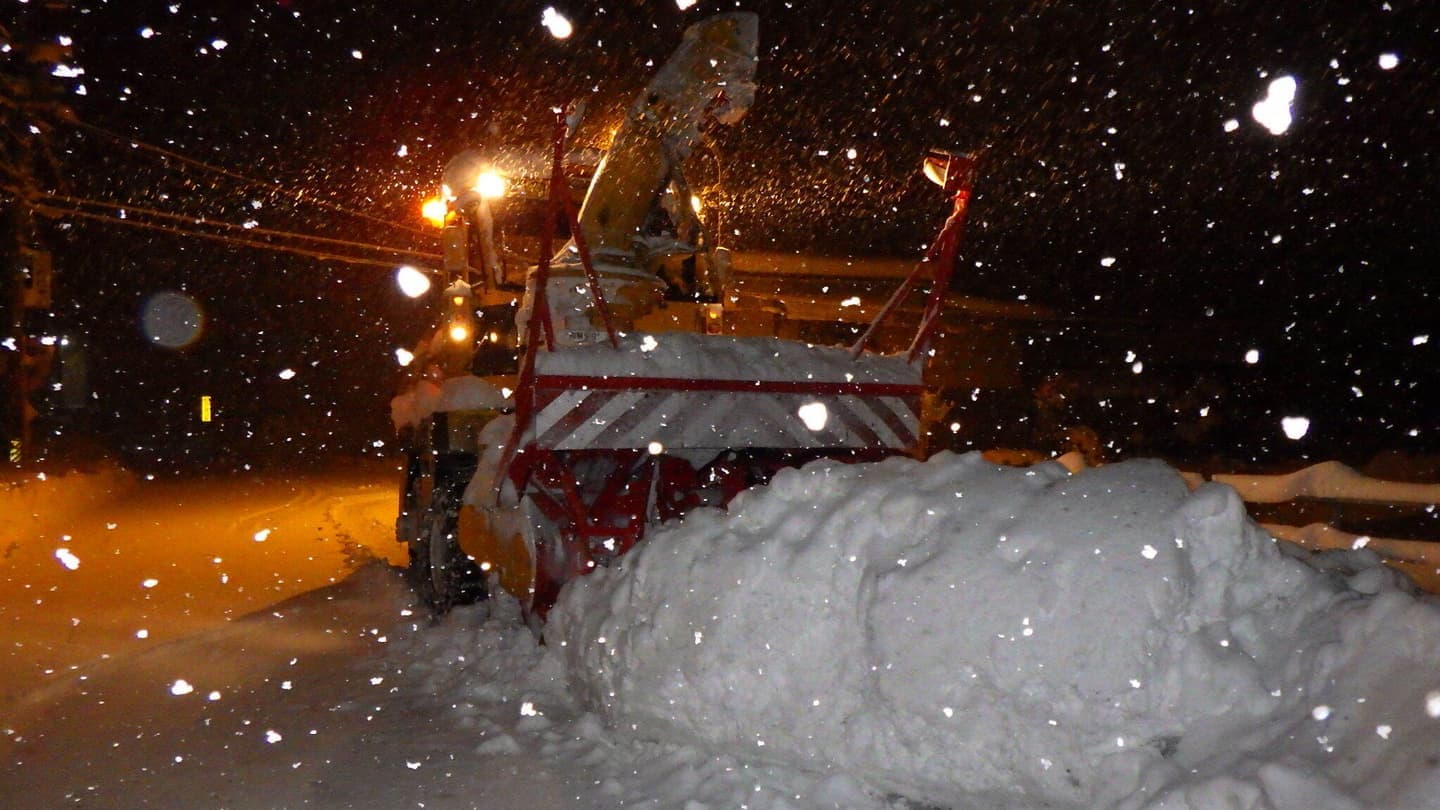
(1295, 427)
(556, 23)
(814, 415)
(1274, 110)
(67, 558)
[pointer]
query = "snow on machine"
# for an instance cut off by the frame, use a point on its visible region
(551, 420)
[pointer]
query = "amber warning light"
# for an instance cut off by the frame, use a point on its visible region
(434, 210)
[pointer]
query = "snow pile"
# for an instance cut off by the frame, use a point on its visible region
(957, 632)
(515, 736)
(720, 357)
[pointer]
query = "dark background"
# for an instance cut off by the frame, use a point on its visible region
(1317, 247)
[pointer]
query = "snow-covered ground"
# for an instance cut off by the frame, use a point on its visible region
(942, 634)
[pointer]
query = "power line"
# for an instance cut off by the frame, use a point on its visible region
(53, 212)
(299, 196)
(82, 201)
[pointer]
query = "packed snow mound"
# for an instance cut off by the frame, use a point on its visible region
(721, 357)
(962, 634)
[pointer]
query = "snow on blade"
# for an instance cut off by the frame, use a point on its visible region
(465, 393)
(716, 357)
(1014, 598)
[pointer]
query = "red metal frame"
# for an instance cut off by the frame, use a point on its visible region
(590, 510)
(584, 521)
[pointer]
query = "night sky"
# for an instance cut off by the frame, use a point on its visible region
(1123, 173)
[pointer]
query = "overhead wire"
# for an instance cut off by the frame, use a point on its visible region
(55, 212)
(197, 220)
(298, 196)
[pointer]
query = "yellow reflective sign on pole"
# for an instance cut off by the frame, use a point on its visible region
(205, 412)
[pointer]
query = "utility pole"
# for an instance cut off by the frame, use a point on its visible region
(31, 103)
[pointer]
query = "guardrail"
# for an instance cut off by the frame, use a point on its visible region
(1334, 483)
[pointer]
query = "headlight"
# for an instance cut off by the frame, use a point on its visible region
(490, 185)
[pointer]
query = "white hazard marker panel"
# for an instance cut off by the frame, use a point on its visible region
(594, 413)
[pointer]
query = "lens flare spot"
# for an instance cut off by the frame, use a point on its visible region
(172, 319)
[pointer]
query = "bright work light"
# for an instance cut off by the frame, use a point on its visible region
(413, 282)
(490, 185)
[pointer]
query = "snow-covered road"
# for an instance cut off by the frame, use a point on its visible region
(109, 564)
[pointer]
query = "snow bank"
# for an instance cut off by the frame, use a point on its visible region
(961, 633)
(514, 728)
(687, 354)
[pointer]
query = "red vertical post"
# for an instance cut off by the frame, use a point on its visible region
(948, 245)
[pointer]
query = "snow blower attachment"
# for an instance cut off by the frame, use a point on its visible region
(632, 406)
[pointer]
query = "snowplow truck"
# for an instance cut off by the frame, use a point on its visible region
(638, 389)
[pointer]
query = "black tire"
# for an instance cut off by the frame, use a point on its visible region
(441, 573)
(407, 520)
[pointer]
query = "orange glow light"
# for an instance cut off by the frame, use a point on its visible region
(435, 210)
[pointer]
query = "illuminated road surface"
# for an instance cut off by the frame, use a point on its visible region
(160, 560)
(261, 679)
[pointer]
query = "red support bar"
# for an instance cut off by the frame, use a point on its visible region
(948, 245)
(539, 311)
(896, 299)
(958, 178)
